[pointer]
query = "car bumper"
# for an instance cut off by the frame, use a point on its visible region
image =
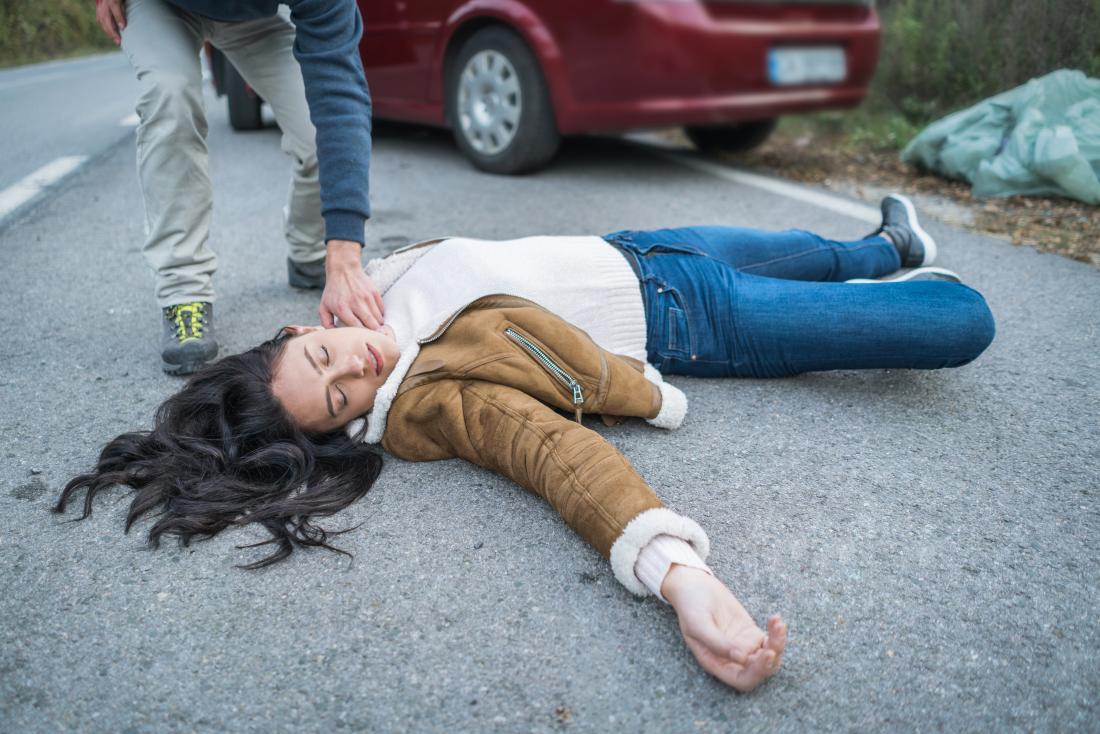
(677, 63)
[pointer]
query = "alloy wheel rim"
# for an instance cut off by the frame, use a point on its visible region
(489, 102)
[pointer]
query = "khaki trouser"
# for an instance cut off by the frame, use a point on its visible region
(163, 43)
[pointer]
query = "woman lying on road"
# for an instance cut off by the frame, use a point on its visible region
(276, 435)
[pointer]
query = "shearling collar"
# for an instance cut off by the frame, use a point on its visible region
(385, 271)
(375, 420)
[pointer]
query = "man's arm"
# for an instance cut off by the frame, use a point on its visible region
(327, 48)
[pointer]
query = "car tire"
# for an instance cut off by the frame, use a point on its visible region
(731, 138)
(244, 104)
(498, 104)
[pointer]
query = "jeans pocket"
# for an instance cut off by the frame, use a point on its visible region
(677, 339)
(677, 330)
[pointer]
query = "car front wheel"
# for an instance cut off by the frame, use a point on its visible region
(498, 104)
(731, 138)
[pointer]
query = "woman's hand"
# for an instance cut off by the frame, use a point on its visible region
(720, 633)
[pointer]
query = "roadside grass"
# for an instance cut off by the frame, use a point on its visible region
(72, 53)
(33, 31)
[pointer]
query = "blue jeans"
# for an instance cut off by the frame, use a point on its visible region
(728, 301)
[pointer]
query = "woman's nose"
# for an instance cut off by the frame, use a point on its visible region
(352, 366)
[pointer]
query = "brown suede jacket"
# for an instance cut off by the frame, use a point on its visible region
(491, 386)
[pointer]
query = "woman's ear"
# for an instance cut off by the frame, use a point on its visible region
(298, 330)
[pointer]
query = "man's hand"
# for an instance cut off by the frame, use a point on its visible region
(720, 633)
(111, 16)
(349, 294)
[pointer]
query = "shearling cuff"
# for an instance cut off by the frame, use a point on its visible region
(674, 403)
(644, 528)
(674, 406)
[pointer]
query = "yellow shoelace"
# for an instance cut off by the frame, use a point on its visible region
(189, 319)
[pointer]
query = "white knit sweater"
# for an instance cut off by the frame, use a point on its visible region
(584, 280)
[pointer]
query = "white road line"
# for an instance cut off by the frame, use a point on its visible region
(22, 191)
(862, 212)
(131, 120)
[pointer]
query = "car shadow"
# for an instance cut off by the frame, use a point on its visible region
(579, 154)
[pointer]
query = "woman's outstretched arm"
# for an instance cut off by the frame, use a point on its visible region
(597, 492)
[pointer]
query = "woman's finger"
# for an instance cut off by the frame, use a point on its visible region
(758, 669)
(777, 637)
(707, 634)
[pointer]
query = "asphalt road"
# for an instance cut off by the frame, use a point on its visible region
(932, 537)
(76, 107)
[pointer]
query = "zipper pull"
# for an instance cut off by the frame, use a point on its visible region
(578, 399)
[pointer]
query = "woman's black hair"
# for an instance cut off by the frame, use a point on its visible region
(223, 452)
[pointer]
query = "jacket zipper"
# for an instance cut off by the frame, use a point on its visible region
(552, 367)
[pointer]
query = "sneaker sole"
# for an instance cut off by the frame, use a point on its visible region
(925, 238)
(304, 285)
(949, 275)
(187, 368)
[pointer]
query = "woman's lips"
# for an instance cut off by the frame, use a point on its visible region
(378, 362)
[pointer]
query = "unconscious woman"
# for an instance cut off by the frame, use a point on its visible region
(496, 351)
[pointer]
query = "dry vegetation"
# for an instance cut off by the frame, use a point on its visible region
(804, 153)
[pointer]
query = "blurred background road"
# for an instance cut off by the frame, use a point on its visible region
(55, 116)
(931, 537)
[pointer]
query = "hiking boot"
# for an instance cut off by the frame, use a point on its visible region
(306, 275)
(899, 220)
(942, 274)
(187, 341)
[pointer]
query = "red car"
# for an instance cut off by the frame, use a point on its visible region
(510, 77)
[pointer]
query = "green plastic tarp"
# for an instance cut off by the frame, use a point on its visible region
(1041, 138)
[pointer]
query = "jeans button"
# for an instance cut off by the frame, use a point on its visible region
(660, 290)
(694, 357)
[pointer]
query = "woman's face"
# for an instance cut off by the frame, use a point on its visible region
(326, 378)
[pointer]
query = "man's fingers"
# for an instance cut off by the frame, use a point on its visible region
(347, 316)
(371, 310)
(366, 317)
(107, 23)
(327, 320)
(380, 304)
(119, 14)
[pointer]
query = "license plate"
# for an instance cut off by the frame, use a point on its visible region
(806, 65)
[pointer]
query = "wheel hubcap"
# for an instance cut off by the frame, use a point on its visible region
(489, 102)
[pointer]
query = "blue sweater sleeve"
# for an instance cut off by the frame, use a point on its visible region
(327, 49)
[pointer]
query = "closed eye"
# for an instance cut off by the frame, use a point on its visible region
(343, 397)
(328, 359)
